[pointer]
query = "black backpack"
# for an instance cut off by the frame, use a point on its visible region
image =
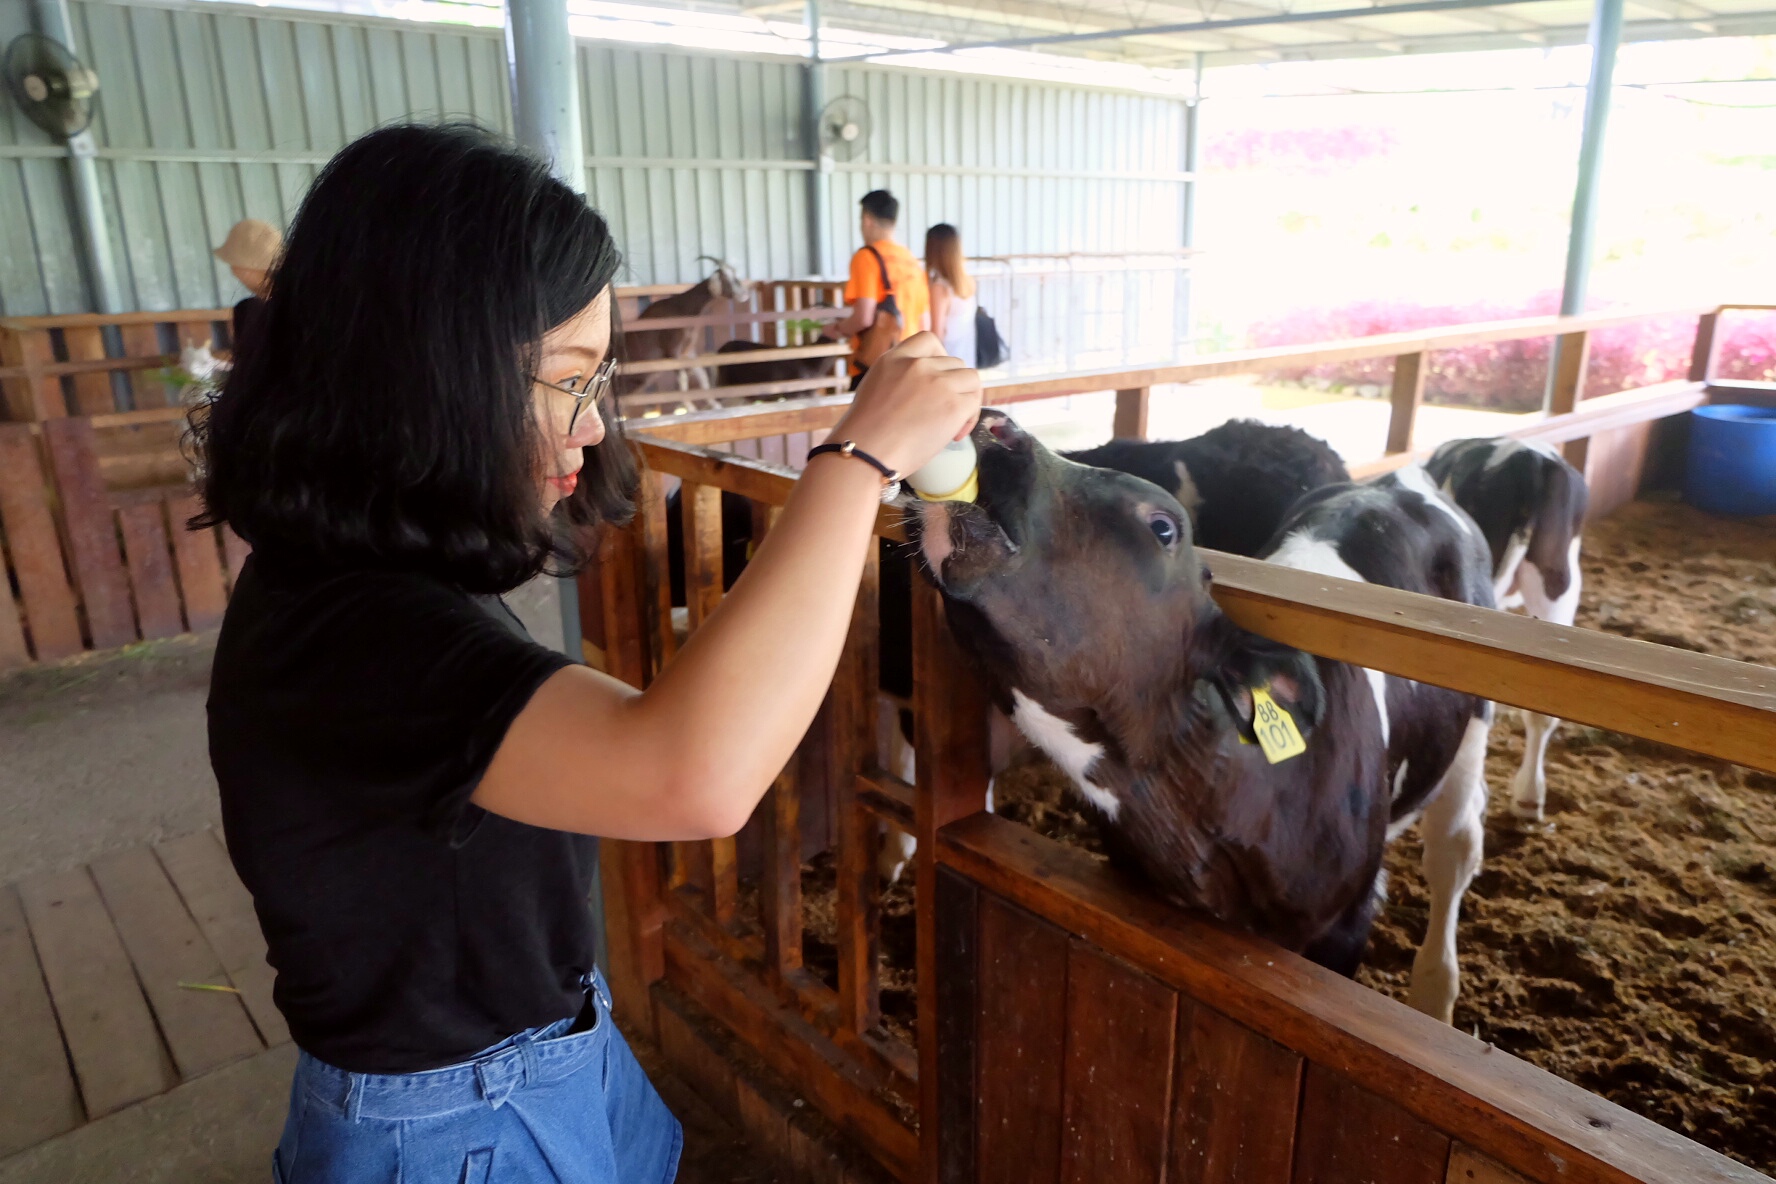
(989, 347)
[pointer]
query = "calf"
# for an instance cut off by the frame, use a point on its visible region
(1530, 506)
(1078, 593)
(643, 344)
(1237, 480)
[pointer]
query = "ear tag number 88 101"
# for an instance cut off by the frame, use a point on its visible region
(1275, 728)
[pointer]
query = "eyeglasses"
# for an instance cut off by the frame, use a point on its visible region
(591, 389)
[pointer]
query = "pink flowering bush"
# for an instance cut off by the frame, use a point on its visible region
(1316, 151)
(1512, 375)
(1748, 347)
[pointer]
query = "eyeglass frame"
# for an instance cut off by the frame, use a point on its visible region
(597, 384)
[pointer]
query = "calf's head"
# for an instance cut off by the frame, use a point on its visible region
(1079, 589)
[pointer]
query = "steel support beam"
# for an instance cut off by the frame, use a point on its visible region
(819, 178)
(1192, 160)
(1606, 34)
(1240, 22)
(100, 266)
(546, 86)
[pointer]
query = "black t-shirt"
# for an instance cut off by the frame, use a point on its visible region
(350, 719)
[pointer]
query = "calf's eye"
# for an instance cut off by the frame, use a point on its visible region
(1164, 528)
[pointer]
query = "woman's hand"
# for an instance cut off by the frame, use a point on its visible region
(912, 402)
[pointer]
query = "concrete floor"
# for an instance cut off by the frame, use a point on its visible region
(102, 753)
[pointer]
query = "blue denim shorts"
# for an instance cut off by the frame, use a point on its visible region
(539, 1106)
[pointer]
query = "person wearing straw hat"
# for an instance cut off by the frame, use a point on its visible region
(250, 250)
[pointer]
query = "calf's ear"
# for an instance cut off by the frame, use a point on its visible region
(1291, 677)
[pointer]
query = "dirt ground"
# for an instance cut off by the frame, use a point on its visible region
(1628, 944)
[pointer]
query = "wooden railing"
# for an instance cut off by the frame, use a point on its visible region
(1220, 1042)
(1615, 426)
(104, 363)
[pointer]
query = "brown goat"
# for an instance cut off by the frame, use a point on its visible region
(641, 345)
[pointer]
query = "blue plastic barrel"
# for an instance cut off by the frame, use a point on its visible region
(1732, 460)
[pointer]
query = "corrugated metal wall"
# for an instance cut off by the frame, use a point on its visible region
(209, 114)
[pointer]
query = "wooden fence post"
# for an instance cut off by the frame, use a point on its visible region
(1569, 388)
(634, 910)
(1131, 414)
(91, 527)
(950, 749)
(1707, 347)
(1407, 396)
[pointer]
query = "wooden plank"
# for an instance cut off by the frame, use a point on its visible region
(92, 533)
(701, 506)
(723, 320)
(117, 1054)
(950, 752)
(1130, 421)
(652, 594)
(1566, 387)
(199, 868)
(13, 652)
(739, 423)
(143, 341)
(35, 547)
(1467, 1166)
(37, 1095)
(203, 1029)
(35, 352)
(834, 349)
(743, 390)
(1705, 348)
(1350, 1136)
(1406, 398)
(1116, 1108)
(200, 567)
(780, 877)
(958, 1006)
(858, 893)
(1234, 1108)
(1255, 361)
(1711, 705)
(838, 1085)
(1020, 1046)
(1528, 1119)
(150, 564)
(92, 389)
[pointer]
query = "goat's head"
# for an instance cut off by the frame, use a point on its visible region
(725, 283)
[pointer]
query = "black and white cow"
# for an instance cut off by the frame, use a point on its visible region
(1078, 593)
(1237, 481)
(1530, 505)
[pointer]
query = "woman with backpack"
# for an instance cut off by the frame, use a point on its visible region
(953, 301)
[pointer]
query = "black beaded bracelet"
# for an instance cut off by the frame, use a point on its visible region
(850, 448)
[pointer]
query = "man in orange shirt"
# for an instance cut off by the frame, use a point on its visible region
(864, 291)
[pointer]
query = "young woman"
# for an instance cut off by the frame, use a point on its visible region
(952, 292)
(407, 779)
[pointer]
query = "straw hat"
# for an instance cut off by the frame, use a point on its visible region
(251, 244)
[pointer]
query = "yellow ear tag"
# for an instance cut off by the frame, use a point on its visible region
(1275, 728)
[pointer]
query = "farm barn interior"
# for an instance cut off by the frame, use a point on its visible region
(952, 943)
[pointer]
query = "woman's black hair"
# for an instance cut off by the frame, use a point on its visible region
(381, 413)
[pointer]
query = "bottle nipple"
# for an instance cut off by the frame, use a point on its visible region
(952, 475)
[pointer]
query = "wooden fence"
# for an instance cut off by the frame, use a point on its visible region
(96, 562)
(107, 364)
(1222, 1058)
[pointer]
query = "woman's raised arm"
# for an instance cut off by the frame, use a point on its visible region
(691, 756)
